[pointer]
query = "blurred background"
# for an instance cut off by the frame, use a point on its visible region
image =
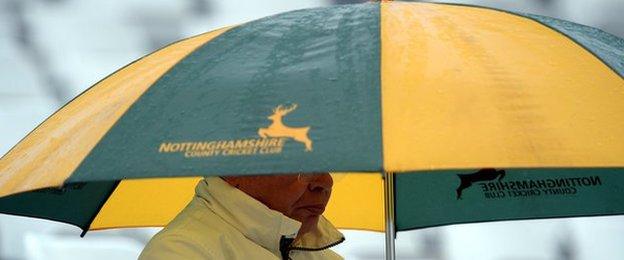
(51, 50)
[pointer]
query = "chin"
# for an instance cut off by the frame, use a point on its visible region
(313, 218)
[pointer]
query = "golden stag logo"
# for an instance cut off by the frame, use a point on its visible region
(278, 129)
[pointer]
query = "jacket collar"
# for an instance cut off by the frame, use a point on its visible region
(259, 223)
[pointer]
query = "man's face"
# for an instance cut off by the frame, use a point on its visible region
(302, 199)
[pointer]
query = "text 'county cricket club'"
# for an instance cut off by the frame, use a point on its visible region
(270, 140)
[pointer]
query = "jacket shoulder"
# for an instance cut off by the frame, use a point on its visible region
(198, 233)
(173, 246)
(190, 235)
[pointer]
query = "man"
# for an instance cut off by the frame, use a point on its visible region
(256, 217)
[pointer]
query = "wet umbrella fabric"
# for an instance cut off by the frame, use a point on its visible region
(496, 115)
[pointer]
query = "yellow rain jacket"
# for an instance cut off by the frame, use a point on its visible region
(222, 222)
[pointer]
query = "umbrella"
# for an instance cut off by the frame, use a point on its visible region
(470, 114)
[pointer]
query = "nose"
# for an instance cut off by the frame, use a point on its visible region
(322, 183)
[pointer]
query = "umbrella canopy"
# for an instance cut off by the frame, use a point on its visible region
(497, 115)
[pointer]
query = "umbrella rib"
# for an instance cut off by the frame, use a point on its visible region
(99, 208)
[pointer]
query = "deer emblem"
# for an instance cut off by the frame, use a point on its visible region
(482, 175)
(278, 129)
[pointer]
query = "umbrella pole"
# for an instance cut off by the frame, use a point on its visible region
(389, 214)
